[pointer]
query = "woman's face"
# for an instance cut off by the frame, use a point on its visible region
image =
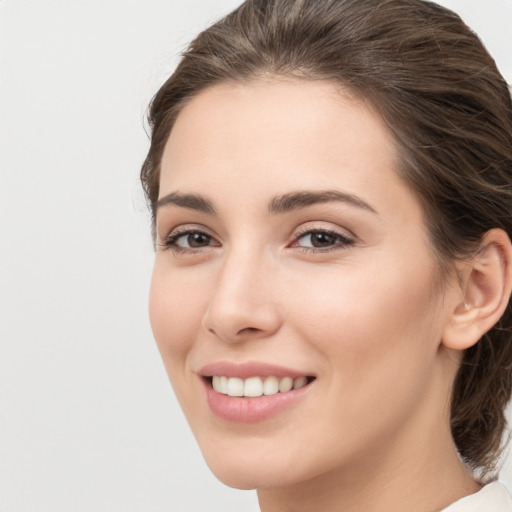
(290, 253)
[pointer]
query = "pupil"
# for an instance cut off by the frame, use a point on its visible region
(198, 239)
(322, 239)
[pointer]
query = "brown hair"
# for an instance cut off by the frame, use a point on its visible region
(449, 109)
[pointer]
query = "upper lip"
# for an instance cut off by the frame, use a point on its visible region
(249, 369)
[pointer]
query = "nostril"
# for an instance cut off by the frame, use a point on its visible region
(248, 329)
(234, 326)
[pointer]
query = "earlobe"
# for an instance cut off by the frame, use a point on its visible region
(487, 285)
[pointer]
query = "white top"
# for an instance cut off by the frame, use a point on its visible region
(494, 497)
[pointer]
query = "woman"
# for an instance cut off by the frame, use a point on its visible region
(330, 184)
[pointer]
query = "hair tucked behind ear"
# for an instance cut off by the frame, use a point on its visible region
(450, 112)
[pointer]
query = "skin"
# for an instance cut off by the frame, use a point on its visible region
(367, 318)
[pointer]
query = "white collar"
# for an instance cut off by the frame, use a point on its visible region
(494, 497)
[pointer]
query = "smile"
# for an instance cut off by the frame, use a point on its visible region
(257, 386)
(253, 391)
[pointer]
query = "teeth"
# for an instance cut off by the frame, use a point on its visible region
(285, 384)
(300, 382)
(220, 384)
(223, 385)
(256, 386)
(235, 387)
(253, 387)
(271, 386)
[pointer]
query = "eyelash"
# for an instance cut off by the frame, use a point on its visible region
(171, 240)
(343, 241)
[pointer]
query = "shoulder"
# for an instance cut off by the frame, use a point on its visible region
(494, 497)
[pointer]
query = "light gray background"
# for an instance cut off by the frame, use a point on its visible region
(88, 421)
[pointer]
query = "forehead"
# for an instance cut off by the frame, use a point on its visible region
(271, 137)
(284, 129)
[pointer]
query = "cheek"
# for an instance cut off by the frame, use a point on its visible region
(378, 348)
(175, 310)
(372, 328)
(355, 302)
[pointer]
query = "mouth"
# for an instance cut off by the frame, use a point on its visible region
(253, 391)
(257, 386)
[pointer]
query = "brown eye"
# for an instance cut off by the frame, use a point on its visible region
(189, 240)
(323, 240)
(197, 239)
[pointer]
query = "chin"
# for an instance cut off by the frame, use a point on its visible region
(240, 469)
(241, 477)
(258, 467)
(233, 478)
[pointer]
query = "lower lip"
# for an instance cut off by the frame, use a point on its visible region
(254, 409)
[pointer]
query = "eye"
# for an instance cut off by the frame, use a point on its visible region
(188, 240)
(318, 240)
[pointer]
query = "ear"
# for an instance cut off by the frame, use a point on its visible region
(486, 289)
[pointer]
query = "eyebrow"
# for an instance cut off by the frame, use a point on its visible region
(280, 204)
(302, 199)
(190, 201)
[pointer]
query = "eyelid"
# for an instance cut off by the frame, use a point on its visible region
(314, 227)
(185, 229)
(347, 238)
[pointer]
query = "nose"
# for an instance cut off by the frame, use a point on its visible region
(243, 305)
